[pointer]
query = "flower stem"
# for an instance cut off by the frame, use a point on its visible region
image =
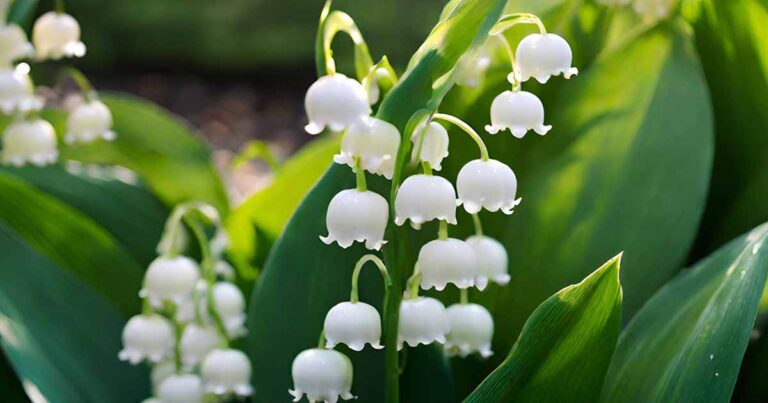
(512, 78)
(464, 296)
(82, 83)
(426, 168)
(333, 22)
(510, 20)
(478, 224)
(412, 286)
(362, 186)
(442, 232)
(59, 6)
(467, 129)
(321, 341)
(353, 296)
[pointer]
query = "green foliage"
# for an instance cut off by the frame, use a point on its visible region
(565, 346)
(687, 342)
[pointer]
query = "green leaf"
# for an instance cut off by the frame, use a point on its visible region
(565, 346)
(21, 12)
(687, 343)
(72, 240)
(10, 383)
(317, 276)
(60, 336)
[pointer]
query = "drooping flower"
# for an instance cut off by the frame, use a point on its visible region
(57, 35)
(13, 44)
(160, 372)
(89, 121)
(434, 146)
(653, 9)
(487, 184)
(544, 55)
(185, 388)
(375, 142)
(335, 101)
(230, 305)
(17, 95)
(423, 198)
(353, 324)
(227, 371)
(29, 141)
(447, 261)
(471, 330)
(518, 111)
(323, 375)
(422, 320)
(196, 342)
(147, 337)
(170, 279)
(492, 259)
(355, 215)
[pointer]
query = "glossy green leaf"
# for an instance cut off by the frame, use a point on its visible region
(22, 11)
(303, 277)
(61, 337)
(565, 346)
(72, 240)
(687, 343)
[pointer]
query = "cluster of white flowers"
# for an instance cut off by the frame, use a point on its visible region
(191, 314)
(29, 138)
(341, 104)
(648, 9)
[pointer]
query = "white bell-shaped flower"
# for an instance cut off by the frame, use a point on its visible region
(544, 55)
(653, 9)
(185, 388)
(170, 279)
(335, 101)
(17, 95)
(89, 121)
(29, 141)
(160, 372)
(57, 35)
(196, 342)
(353, 324)
(518, 111)
(492, 260)
(434, 146)
(489, 185)
(227, 371)
(423, 198)
(14, 44)
(230, 305)
(147, 337)
(189, 308)
(471, 330)
(355, 215)
(323, 375)
(472, 67)
(375, 142)
(445, 261)
(422, 320)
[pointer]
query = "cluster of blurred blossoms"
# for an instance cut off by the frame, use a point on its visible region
(647, 9)
(191, 314)
(338, 103)
(28, 138)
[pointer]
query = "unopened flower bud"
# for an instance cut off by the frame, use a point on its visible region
(89, 121)
(323, 375)
(434, 146)
(544, 55)
(353, 324)
(14, 44)
(227, 371)
(29, 141)
(423, 198)
(518, 111)
(445, 261)
(422, 321)
(181, 389)
(57, 35)
(196, 342)
(375, 142)
(335, 101)
(170, 279)
(492, 260)
(355, 215)
(16, 92)
(471, 330)
(487, 184)
(146, 337)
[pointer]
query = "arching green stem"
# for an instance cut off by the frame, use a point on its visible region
(426, 168)
(510, 20)
(381, 74)
(442, 232)
(478, 224)
(362, 186)
(464, 296)
(412, 286)
(467, 129)
(82, 83)
(353, 296)
(331, 23)
(321, 341)
(512, 77)
(59, 6)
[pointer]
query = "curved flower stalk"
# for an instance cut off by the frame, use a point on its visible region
(190, 316)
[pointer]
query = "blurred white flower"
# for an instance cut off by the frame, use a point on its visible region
(447, 261)
(355, 215)
(230, 305)
(353, 324)
(29, 141)
(227, 371)
(196, 342)
(492, 260)
(13, 45)
(544, 55)
(89, 121)
(434, 147)
(422, 321)
(160, 372)
(471, 330)
(323, 375)
(57, 35)
(375, 142)
(181, 389)
(518, 111)
(147, 337)
(653, 9)
(472, 66)
(170, 279)
(17, 94)
(487, 184)
(335, 101)
(423, 198)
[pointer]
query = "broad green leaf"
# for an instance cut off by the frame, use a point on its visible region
(72, 240)
(21, 12)
(61, 337)
(317, 276)
(565, 346)
(686, 344)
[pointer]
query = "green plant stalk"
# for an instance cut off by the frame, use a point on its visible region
(353, 295)
(468, 130)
